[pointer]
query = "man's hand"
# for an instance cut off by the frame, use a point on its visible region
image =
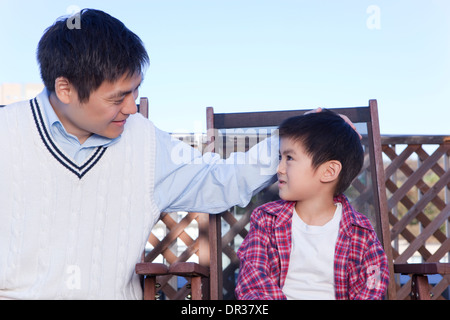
(342, 116)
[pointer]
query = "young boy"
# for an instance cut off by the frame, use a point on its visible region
(312, 244)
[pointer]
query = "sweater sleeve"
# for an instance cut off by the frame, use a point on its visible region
(186, 180)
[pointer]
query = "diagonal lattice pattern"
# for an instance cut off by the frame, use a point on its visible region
(417, 184)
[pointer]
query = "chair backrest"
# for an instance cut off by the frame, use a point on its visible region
(367, 194)
(143, 107)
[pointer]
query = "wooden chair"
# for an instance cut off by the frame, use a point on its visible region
(367, 193)
(201, 285)
(143, 107)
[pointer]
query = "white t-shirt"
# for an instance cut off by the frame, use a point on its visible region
(310, 274)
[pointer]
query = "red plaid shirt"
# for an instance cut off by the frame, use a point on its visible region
(360, 264)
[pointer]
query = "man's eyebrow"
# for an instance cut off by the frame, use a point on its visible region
(120, 94)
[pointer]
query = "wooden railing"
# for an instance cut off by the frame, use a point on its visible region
(418, 190)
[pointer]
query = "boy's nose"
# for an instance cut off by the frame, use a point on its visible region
(280, 168)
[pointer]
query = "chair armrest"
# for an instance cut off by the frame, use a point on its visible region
(188, 269)
(422, 268)
(151, 269)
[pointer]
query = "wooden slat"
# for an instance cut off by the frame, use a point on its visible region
(398, 160)
(424, 235)
(148, 268)
(416, 176)
(380, 190)
(274, 118)
(143, 107)
(422, 268)
(188, 269)
(414, 139)
(420, 205)
(170, 237)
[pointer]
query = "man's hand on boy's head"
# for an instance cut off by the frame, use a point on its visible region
(342, 116)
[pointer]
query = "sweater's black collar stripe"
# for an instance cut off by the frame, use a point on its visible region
(79, 171)
(100, 150)
(48, 147)
(42, 128)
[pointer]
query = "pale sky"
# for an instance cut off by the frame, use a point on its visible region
(252, 55)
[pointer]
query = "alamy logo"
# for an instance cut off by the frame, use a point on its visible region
(373, 277)
(73, 280)
(373, 22)
(232, 145)
(74, 21)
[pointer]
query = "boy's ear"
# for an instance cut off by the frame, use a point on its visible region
(64, 90)
(331, 170)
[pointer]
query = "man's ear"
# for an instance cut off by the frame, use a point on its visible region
(64, 90)
(331, 170)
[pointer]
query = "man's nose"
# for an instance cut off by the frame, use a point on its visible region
(130, 106)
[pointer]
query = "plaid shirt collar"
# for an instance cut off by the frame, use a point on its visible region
(356, 254)
(283, 210)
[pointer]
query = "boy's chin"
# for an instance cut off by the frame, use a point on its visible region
(286, 198)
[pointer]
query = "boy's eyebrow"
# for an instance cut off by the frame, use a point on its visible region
(287, 151)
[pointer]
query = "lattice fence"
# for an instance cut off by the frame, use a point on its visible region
(418, 184)
(178, 237)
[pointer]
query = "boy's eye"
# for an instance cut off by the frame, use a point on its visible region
(288, 157)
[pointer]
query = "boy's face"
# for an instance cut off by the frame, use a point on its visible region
(297, 179)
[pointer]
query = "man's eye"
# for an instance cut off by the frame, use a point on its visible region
(118, 102)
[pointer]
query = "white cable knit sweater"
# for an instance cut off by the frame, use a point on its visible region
(68, 231)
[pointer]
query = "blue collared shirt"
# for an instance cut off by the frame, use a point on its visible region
(190, 181)
(68, 142)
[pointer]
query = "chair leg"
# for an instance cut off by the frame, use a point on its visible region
(205, 289)
(196, 288)
(150, 288)
(419, 287)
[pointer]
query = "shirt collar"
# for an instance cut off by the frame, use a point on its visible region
(56, 128)
(283, 210)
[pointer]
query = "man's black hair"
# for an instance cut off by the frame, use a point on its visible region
(326, 136)
(100, 49)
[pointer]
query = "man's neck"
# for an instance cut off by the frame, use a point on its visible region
(58, 107)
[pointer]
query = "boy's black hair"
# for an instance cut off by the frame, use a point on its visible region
(100, 49)
(326, 136)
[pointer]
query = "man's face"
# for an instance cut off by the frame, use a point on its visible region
(106, 112)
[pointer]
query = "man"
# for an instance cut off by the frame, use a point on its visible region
(84, 178)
